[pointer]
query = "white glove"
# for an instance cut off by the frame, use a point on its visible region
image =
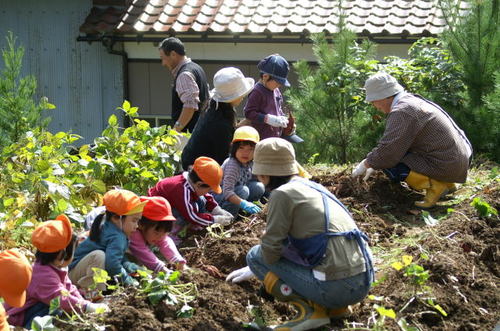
(359, 170)
(220, 211)
(276, 121)
(223, 219)
(240, 275)
(93, 307)
(369, 172)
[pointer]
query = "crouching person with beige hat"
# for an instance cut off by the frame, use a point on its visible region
(421, 145)
(312, 253)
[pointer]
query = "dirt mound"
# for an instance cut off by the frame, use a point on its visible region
(461, 254)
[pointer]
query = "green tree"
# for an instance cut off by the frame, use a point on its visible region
(19, 113)
(474, 42)
(328, 102)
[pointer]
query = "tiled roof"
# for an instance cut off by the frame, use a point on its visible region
(374, 17)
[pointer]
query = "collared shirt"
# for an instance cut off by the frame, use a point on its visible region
(396, 98)
(186, 86)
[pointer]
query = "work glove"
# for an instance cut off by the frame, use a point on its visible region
(220, 211)
(93, 307)
(249, 207)
(276, 121)
(240, 275)
(359, 170)
(368, 173)
(223, 219)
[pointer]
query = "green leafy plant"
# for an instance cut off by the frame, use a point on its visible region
(134, 158)
(217, 231)
(483, 208)
(166, 288)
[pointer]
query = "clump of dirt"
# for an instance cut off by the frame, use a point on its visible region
(461, 254)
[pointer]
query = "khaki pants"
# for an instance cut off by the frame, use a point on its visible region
(82, 274)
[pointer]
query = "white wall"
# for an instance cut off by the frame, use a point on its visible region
(248, 51)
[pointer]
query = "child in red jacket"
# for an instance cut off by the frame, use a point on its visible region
(188, 193)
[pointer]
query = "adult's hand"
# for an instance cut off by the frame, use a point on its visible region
(240, 275)
(359, 170)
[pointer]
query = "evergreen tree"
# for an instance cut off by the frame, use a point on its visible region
(328, 103)
(19, 112)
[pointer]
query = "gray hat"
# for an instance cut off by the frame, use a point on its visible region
(274, 157)
(381, 86)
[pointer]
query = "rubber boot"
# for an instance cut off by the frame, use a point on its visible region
(310, 314)
(433, 188)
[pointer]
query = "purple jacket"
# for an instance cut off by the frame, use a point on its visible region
(140, 249)
(47, 283)
(262, 101)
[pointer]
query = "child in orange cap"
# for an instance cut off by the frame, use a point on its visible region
(55, 243)
(188, 193)
(15, 277)
(156, 222)
(108, 240)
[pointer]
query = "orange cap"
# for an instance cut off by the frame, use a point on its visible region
(123, 202)
(157, 209)
(15, 277)
(209, 172)
(52, 236)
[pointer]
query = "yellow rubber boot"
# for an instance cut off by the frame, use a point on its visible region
(434, 189)
(310, 314)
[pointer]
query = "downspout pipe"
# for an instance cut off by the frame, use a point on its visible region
(109, 43)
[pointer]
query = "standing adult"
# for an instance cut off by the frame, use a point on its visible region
(312, 254)
(421, 144)
(190, 89)
(213, 134)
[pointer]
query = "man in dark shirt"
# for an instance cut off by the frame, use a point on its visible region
(190, 89)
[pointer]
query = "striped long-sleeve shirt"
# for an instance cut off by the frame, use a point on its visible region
(182, 197)
(421, 135)
(235, 174)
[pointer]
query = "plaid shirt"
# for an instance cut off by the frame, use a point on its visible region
(186, 87)
(423, 136)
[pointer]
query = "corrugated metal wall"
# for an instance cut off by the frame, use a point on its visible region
(81, 79)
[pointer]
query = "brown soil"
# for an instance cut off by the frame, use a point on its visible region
(463, 260)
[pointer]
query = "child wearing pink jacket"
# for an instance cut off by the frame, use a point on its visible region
(156, 222)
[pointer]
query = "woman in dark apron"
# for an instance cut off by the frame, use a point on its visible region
(312, 253)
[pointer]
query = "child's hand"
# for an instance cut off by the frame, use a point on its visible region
(180, 266)
(249, 207)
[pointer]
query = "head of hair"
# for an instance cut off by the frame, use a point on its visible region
(95, 229)
(237, 144)
(193, 176)
(172, 44)
(163, 226)
(277, 181)
(47, 258)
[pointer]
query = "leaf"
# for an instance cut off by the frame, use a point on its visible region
(112, 120)
(55, 304)
(385, 312)
(62, 205)
(185, 311)
(375, 298)
(397, 265)
(407, 260)
(44, 323)
(157, 296)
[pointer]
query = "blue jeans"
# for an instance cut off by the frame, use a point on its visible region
(330, 294)
(397, 173)
(252, 191)
(38, 309)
